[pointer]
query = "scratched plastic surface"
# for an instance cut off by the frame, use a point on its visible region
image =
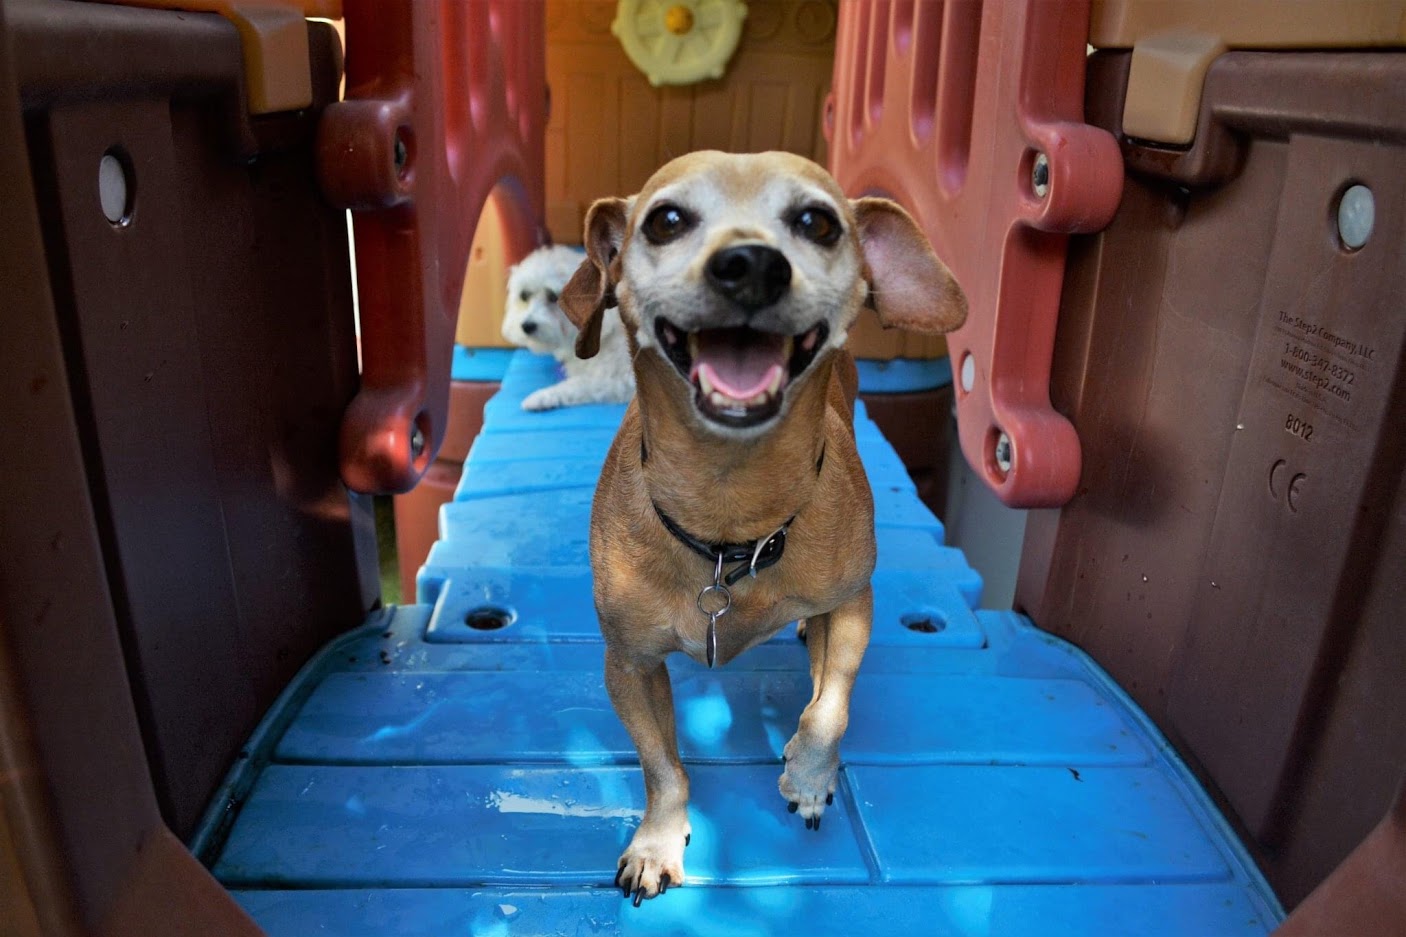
(455, 767)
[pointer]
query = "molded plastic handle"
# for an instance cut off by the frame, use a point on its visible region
(969, 114)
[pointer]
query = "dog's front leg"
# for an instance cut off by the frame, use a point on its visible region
(836, 643)
(573, 392)
(644, 701)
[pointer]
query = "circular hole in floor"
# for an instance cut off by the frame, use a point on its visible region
(923, 622)
(488, 618)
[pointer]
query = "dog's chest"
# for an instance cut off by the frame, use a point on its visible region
(759, 608)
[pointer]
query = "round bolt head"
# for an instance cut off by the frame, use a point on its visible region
(402, 152)
(1040, 176)
(968, 372)
(1357, 213)
(1003, 453)
(417, 442)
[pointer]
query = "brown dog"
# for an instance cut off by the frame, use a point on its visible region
(733, 500)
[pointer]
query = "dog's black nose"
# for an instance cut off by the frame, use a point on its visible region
(529, 327)
(752, 275)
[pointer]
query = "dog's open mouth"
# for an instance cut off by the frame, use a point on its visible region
(739, 375)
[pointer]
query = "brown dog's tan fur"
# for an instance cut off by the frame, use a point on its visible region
(730, 487)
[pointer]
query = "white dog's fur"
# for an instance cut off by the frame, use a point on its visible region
(532, 319)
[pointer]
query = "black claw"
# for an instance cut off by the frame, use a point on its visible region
(809, 821)
(663, 883)
(817, 824)
(687, 838)
(639, 896)
(793, 807)
(829, 800)
(802, 636)
(619, 872)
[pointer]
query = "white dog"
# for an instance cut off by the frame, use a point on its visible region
(532, 319)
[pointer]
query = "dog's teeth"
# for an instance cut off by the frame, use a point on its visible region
(718, 400)
(808, 342)
(775, 384)
(704, 383)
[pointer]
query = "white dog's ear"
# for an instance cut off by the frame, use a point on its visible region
(591, 289)
(908, 286)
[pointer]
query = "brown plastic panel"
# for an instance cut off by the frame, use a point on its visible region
(1364, 895)
(277, 65)
(1233, 553)
(208, 353)
(207, 406)
(1252, 24)
(79, 807)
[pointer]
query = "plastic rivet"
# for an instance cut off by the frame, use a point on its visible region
(1357, 213)
(114, 190)
(1040, 176)
(968, 372)
(417, 442)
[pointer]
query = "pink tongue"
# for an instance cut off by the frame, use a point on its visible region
(741, 363)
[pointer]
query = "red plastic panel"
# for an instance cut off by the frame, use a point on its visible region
(950, 107)
(445, 100)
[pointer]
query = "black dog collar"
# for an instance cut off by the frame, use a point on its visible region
(751, 557)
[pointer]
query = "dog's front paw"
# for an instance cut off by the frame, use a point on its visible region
(653, 861)
(808, 782)
(544, 398)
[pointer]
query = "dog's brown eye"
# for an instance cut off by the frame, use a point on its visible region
(818, 225)
(550, 295)
(525, 296)
(665, 223)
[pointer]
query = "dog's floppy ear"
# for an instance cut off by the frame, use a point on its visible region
(591, 289)
(908, 286)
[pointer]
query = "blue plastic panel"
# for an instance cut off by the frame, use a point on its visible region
(467, 825)
(486, 532)
(694, 911)
(911, 608)
(726, 716)
(1031, 824)
(423, 777)
(480, 364)
(533, 446)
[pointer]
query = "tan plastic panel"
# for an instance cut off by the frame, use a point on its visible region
(1252, 24)
(481, 304)
(608, 129)
(1164, 86)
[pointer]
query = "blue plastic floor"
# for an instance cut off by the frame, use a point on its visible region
(426, 777)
